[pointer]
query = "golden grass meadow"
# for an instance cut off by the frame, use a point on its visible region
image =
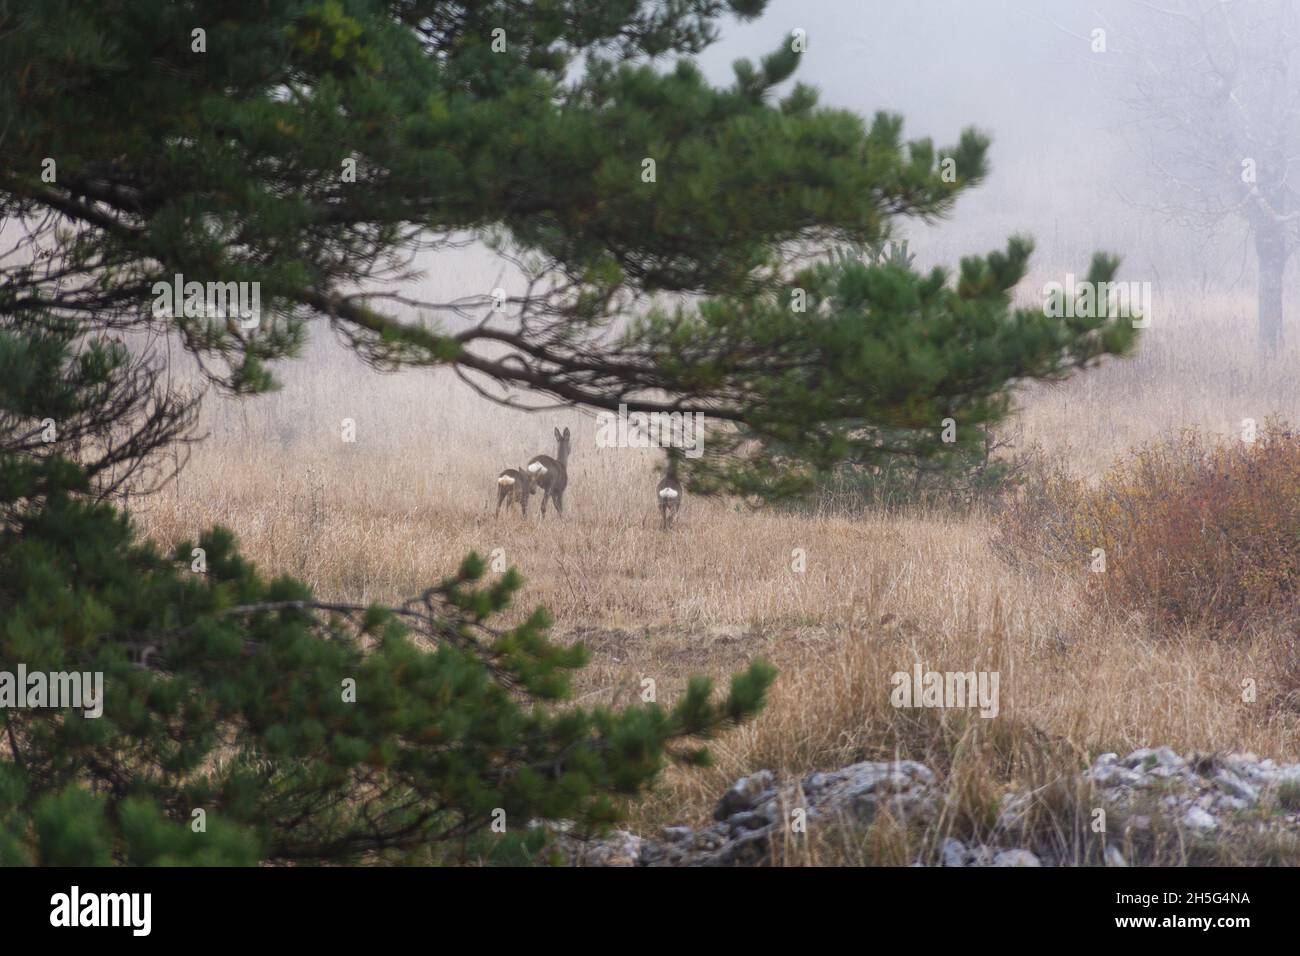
(398, 508)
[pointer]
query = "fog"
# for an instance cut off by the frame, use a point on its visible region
(1070, 163)
(1073, 165)
(1067, 161)
(975, 567)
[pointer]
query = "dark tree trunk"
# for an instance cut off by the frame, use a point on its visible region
(1270, 250)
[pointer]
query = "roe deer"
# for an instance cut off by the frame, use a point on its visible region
(552, 474)
(669, 494)
(514, 484)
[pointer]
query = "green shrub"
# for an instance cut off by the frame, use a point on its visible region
(957, 480)
(245, 721)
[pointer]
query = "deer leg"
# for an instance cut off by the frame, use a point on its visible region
(559, 503)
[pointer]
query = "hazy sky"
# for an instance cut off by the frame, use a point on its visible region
(1004, 65)
(1021, 70)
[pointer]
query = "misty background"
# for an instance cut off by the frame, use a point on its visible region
(1064, 167)
(1069, 166)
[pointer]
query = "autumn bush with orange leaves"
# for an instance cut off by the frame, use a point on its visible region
(1187, 531)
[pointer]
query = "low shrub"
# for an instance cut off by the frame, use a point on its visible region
(956, 481)
(1187, 531)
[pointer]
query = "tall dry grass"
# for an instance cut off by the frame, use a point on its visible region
(381, 517)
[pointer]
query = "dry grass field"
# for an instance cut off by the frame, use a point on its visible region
(380, 517)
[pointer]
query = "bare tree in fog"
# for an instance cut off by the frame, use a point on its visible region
(1211, 88)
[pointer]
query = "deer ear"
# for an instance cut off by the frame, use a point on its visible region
(558, 436)
(566, 432)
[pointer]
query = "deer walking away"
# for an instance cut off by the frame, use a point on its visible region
(669, 495)
(514, 485)
(551, 474)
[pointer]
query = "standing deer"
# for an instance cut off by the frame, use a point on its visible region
(552, 474)
(514, 485)
(669, 494)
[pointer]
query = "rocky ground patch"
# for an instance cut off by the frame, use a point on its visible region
(1208, 796)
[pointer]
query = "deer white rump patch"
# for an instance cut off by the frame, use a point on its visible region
(505, 481)
(668, 493)
(537, 468)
